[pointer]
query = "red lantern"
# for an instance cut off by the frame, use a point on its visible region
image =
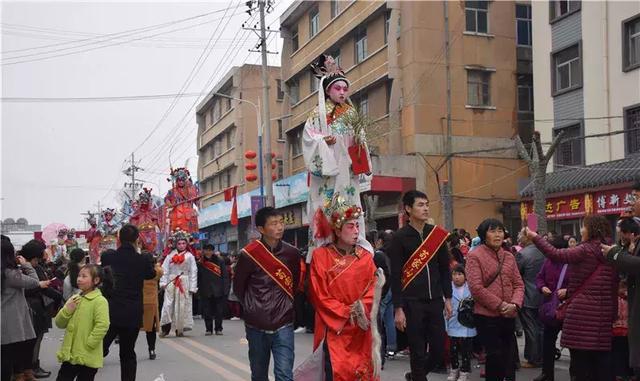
(273, 155)
(250, 154)
(274, 177)
(250, 166)
(251, 177)
(274, 165)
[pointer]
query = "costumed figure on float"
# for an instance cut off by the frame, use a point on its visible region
(146, 218)
(93, 238)
(179, 282)
(181, 201)
(61, 254)
(345, 289)
(108, 230)
(336, 154)
(71, 242)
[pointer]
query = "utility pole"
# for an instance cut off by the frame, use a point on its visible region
(448, 185)
(264, 6)
(131, 172)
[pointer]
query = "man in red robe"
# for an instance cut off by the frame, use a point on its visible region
(344, 289)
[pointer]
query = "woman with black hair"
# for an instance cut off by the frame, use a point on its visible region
(18, 336)
(498, 291)
(77, 259)
(33, 251)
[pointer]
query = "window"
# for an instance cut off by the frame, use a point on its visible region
(361, 45)
(631, 41)
(363, 104)
(294, 40)
(294, 91)
(388, 94)
(336, 57)
(525, 93)
(477, 16)
(280, 93)
(280, 168)
(632, 125)
(280, 130)
(230, 137)
(560, 8)
(314, 22)
(335, 8)
(295, 141)
(569, 151)
(313, 82)
(523, 24)
(479, 88)
(216, 110)
(387, 20)
(567, 69)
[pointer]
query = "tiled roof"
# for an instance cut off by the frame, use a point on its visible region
(591, 176)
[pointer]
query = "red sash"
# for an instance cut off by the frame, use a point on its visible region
(214, 268)
(277, 270)
(423, 255)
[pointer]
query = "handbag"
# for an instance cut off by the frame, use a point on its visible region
(547, 311)
(465, 313)
(561, 311)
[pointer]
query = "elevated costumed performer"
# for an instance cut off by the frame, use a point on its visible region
(108, 230)
(181, 201)
(336, 154)
(146, 218)
(345, 291)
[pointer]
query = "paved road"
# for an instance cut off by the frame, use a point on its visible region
(224, 358)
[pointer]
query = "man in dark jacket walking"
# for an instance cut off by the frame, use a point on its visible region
(418, 289)
(530, 261)
(130, 270)
(213, 288)
(266, 275)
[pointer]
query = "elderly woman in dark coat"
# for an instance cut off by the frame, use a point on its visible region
(592, 298)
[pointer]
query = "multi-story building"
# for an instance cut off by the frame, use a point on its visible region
(228, 128)
(586, 82)
(394, 55)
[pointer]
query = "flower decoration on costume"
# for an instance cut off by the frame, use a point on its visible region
(179, 235)
(108, 212)
(326, 69)
(339, 211)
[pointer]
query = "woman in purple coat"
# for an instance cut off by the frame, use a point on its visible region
(586, 329)
(547, 284)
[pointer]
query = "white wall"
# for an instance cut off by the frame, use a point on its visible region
(543, 102)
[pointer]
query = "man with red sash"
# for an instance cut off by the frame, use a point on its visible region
(345, 291)
(421, 285)
(213, 288)
(266, 274)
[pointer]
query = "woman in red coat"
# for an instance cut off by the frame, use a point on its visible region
(592, 298)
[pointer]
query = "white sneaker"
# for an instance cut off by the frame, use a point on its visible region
(300, 330)
(235, 318)
(464, 376)
(453, 375)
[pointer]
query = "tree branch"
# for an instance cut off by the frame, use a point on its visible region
(554, 144)
(522, 151)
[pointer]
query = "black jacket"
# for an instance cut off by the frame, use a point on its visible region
(130, 270)
(265, 305)
(40, 310)
(433, 282)
(210, 284)
(382, 261)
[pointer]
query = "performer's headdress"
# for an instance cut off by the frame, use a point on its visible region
(328, 72)
(91, 219)
(145, 195)
(71, 232)
(110, 211)
(62, 232)
(180, 234)
(179, 174)
(339, 211)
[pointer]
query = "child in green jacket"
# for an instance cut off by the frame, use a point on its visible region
(86, 319)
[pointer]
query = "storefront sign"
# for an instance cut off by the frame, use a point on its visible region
(563, 208)
(613, 201)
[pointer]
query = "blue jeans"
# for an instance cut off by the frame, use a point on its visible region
(262, 344)
(387, 315)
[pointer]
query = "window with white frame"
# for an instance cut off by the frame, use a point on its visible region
(314, 22)
(479, 88)
(632, 130)
(567, 71)
(387, 20)
(523, 24)
(279, 92)
(363, 103)
(295, 140)
(313, 82)
(361, 45)
(477, 16)
(335, 8)
(525, 93)
(570, 150)
(631, 44)
(559, 8)
(336, 56)
(294, 40)
(280, 130)
(294, 91)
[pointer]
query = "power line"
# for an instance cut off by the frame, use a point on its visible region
(121, 98)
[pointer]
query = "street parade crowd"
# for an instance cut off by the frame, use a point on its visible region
(442, 298)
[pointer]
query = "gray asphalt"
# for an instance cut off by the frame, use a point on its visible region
(224, 358)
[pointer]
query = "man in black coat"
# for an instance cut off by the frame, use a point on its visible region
(213, 288)
(130, 270)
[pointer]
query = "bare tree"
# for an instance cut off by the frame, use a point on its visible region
(370, 206)
(538, 161)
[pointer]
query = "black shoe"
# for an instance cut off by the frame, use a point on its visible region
(41, 373)
(152, 354)
(208, 333)
(407, 376)
(218, 333)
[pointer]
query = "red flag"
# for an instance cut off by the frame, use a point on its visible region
(232, 193)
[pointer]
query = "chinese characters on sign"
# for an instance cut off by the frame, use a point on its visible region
(577, 206)
(563, 207)
(612, 202)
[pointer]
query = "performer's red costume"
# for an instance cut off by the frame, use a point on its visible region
(93, 239)
(146, 218)
(180, 202)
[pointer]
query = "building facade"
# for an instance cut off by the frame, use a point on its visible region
(586, 76)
